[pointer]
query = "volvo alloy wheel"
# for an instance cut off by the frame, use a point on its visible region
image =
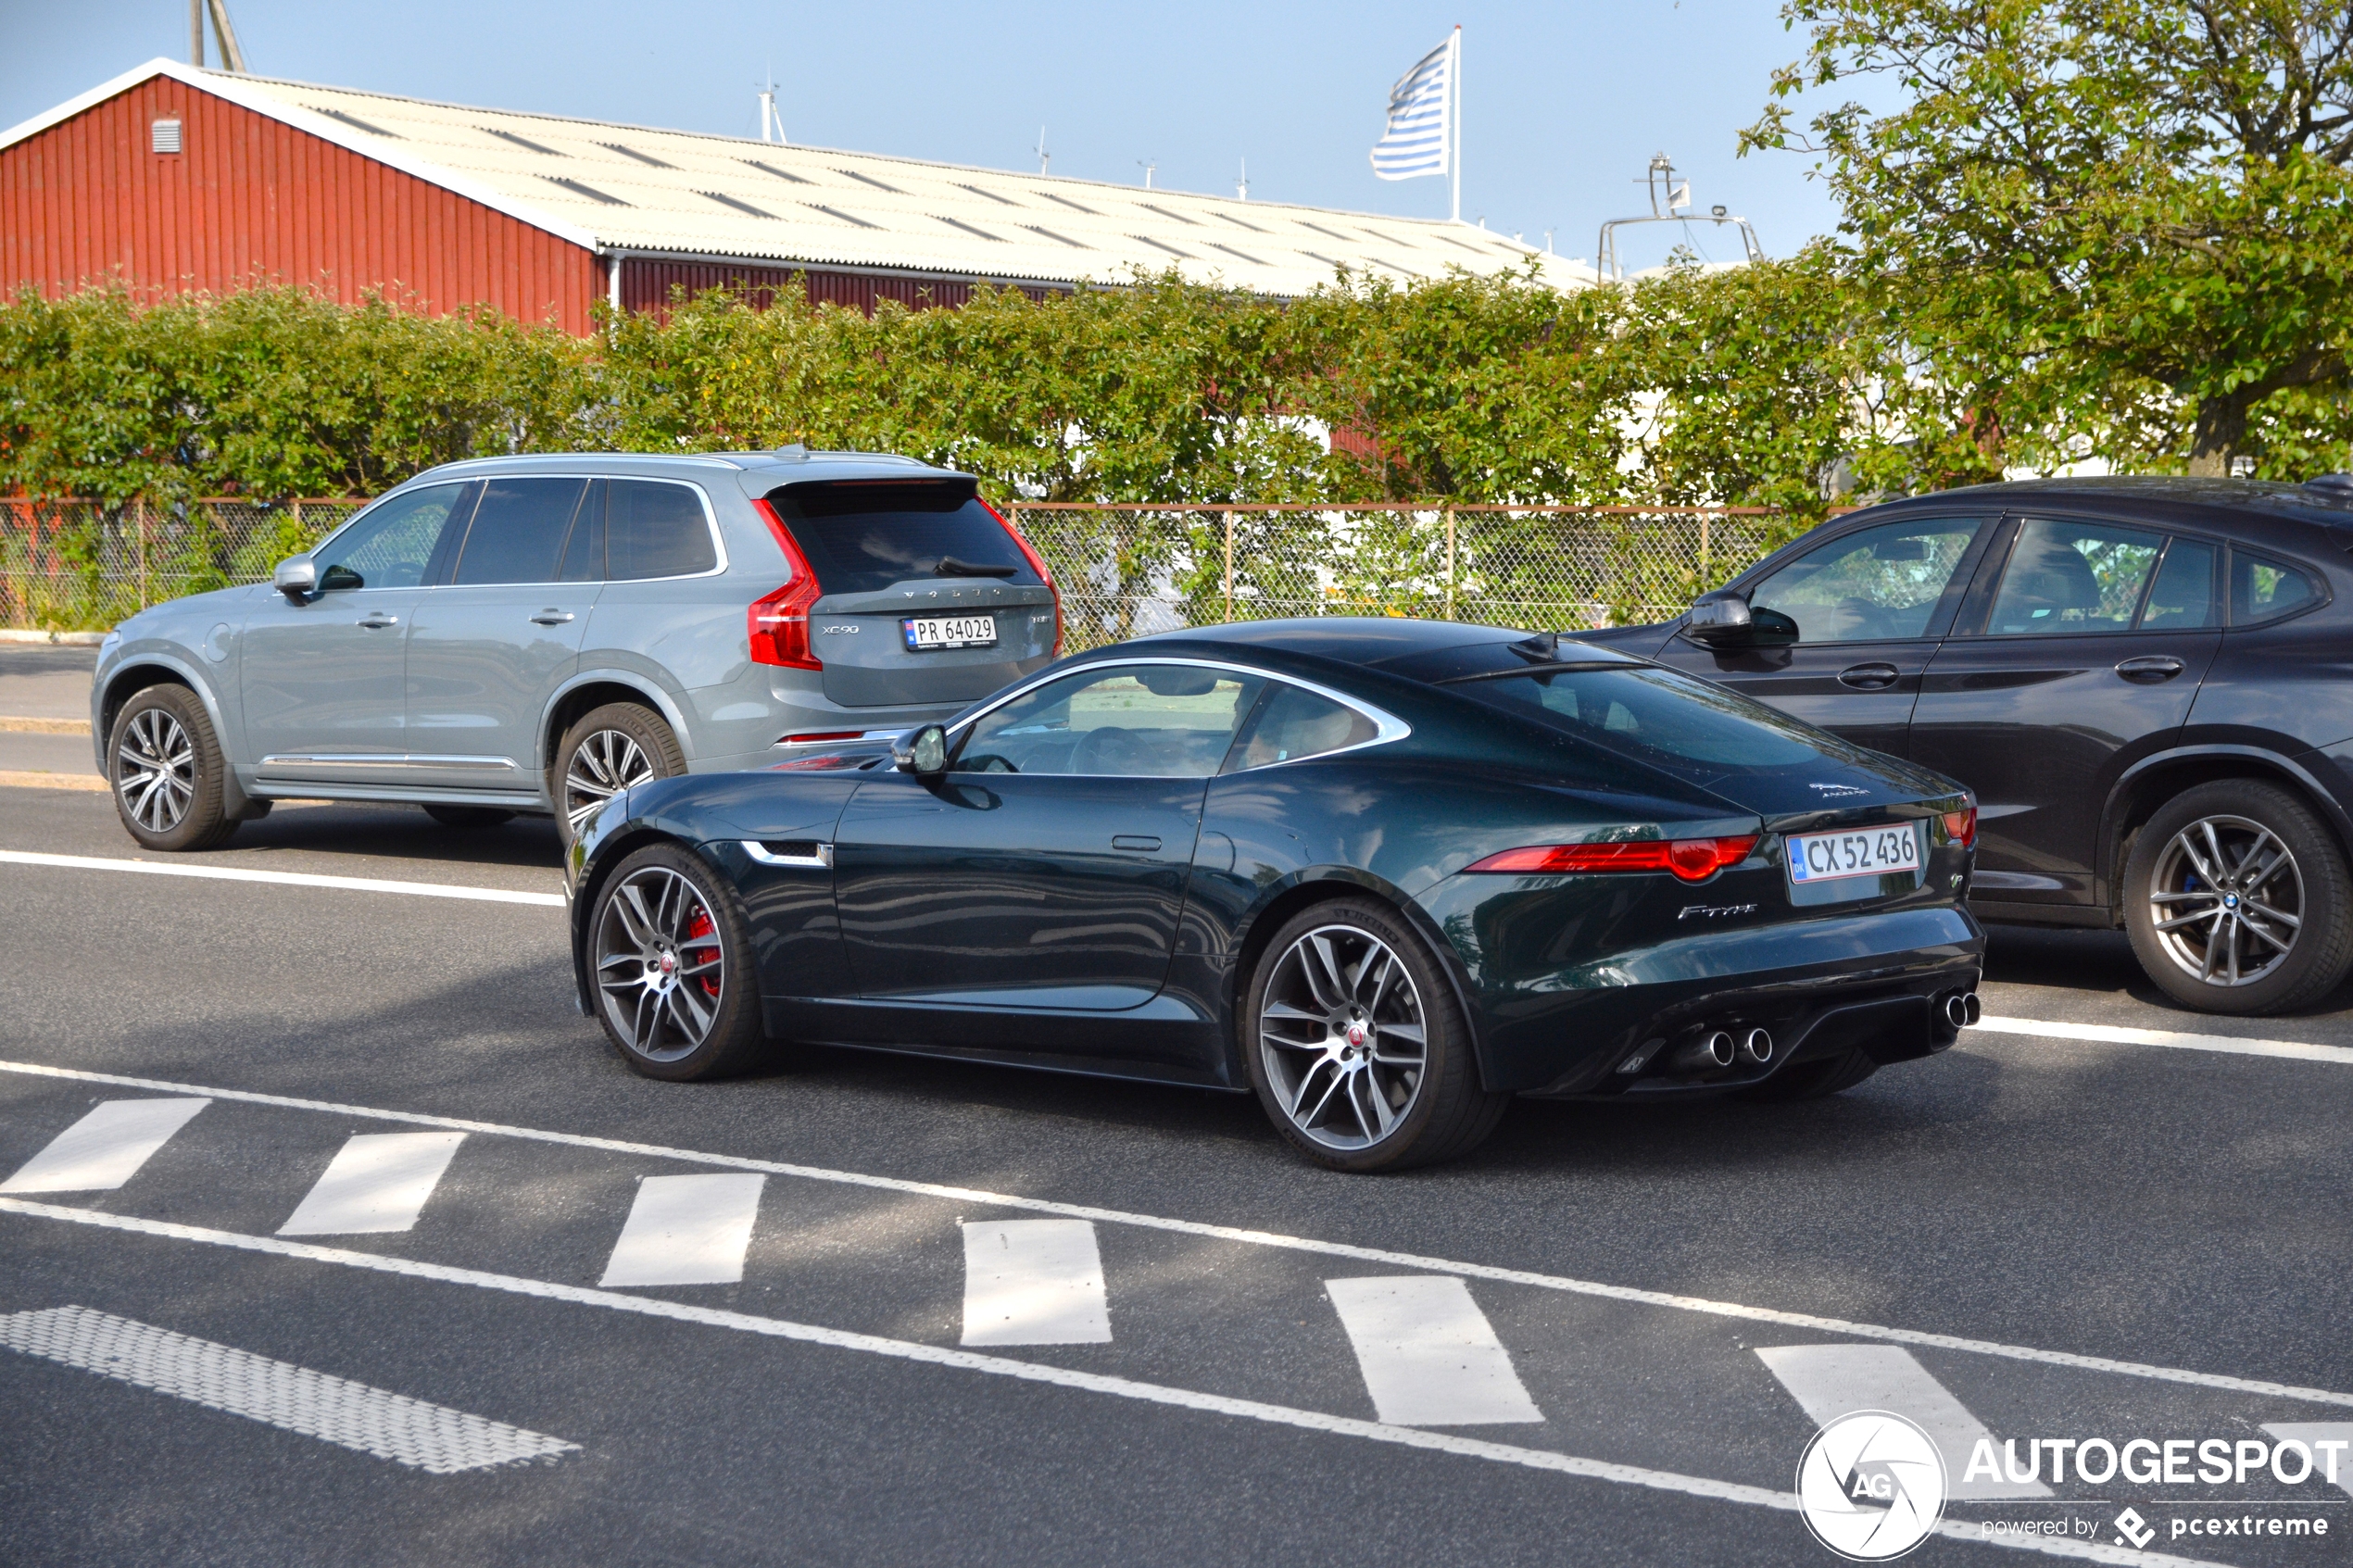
(156, 770)
(2226, 900)
(1343, 1038)
(605, 763)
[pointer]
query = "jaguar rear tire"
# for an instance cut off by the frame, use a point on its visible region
(1353, 1040)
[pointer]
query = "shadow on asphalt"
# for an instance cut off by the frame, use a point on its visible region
(2102, 961)
(401, 833)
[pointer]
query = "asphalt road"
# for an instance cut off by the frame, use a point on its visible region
(2003, 1220)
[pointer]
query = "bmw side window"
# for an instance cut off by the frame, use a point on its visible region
(518, 531)
(1166, 720)
(2073, 576)
(392, 546)
(2182, 597)
(655, 530)
(1879, 584)
(1292, 724)
(2265, 590)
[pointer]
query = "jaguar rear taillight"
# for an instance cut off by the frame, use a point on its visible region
(1693, 859)
(1037, 565)
(1961, 827)
(777, 625)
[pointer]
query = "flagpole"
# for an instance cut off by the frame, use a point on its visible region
(1454, 121)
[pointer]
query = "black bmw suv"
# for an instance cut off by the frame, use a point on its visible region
(2148, 683)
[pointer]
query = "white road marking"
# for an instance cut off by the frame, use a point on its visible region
(104, 1149)
(2311, 1432)
(294, 1399)
(1034, 1282)
(1780, 1498)
(2111, 1034)
(1429, 1354)
(1830, 1381)
(284, 879)
(687, 1229)
(1812, 1322)
(377, 1182)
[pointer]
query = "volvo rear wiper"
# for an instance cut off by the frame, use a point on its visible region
(950, 566)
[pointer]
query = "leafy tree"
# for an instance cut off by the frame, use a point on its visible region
(2129, 220)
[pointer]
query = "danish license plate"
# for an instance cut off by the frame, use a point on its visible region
(926, 633)
(1877, 851)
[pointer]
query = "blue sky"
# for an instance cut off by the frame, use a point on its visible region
(1563, 104)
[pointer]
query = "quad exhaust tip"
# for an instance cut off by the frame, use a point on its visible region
(1962, 1010)
(1713, 1049)
(1757, 1045)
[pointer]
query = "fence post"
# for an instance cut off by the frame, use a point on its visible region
(139, 509)
(1229, 563)
(1450, 563)
(1702, 552)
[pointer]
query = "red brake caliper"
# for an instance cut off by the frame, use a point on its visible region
(696, 930)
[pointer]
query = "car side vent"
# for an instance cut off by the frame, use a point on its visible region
(792, 848)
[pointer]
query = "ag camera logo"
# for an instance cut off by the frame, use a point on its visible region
(1871, 1485)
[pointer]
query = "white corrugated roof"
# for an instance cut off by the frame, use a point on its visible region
(635, 188)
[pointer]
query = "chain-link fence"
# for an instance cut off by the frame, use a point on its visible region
(73, 565)
(1128, 570)
(1125, 569)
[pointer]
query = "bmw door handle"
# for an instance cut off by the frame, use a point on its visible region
(2149, 669)
(551, 618)
(376, 621)
(1869, 677)
(1142, 841)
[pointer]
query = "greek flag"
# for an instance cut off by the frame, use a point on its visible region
(1421, 119)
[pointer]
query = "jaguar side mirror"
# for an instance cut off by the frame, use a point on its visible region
(296, 577)
(1724, 620)
(924, 753)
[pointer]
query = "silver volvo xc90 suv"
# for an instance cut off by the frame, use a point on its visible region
(533, 634)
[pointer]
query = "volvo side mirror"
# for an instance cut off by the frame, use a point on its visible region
(922, 753)
(297, 578)
(1724, 620)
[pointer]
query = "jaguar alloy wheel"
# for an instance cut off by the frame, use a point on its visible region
(1342, 1038)
(661, 968)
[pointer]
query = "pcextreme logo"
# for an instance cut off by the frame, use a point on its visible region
(1871, 1485)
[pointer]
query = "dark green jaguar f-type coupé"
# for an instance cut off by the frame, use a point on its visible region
(1384, 873)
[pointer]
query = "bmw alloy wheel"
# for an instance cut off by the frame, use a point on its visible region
(605, 762)
(661, 968)
(156, 771)
(2226, 900)
(1343, 1038)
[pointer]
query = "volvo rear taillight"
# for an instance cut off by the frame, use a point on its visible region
(777, 625)
(1037, 565)
(1693, 859)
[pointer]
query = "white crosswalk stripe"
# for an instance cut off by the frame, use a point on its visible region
(377, 1182)
(1429, 1355)
(411, 1431)
(1034, 1282)
(1830, 1381)
(104, 1149)
(687, 1229)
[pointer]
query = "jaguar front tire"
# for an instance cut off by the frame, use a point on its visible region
(669, 967)
(1355, 1046)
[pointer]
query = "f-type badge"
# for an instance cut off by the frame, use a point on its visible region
(1716, 911)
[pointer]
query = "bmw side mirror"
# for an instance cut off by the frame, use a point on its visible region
(297, 578)
(1724, 620)
(924, 753)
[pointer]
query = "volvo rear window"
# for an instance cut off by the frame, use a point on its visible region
(864, 535)
(1671, 721)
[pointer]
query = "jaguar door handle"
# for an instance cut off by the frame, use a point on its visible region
(1138, 841)
(2149, 669)
(1869, 677)
(551, 618)
(376, 621)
